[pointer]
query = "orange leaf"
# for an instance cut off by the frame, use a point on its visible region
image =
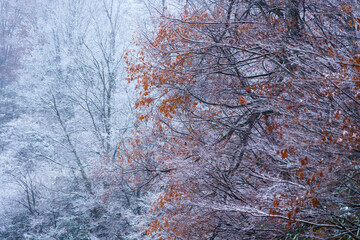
(301, 176)
(242, 100)
(315, 202)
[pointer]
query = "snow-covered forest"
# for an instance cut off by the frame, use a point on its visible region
(179, 119)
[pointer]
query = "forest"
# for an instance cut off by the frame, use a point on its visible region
(179, 119)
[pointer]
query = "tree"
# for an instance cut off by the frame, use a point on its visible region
(14, 30)
(17, 23)
(75, 110)
(254, 114)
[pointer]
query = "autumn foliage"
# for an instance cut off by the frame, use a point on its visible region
(249, 120)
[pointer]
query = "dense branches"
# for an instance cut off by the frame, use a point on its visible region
(247, 121)
(74, 108)
(255, 107)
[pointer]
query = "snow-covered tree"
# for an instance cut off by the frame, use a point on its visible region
(254, 114)
(76, 107)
